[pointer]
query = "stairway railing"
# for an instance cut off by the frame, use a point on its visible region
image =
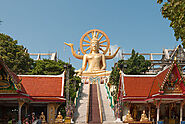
(100, 103)
(87, 114)
(78, 94)
(110, 96)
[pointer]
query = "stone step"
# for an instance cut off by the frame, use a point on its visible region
(80, 114)
(108, 116)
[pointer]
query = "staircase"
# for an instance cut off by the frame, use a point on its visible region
(94, 113)
(80, 115)
(108, 116)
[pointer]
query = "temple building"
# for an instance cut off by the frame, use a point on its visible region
(161, 95)
(22, 95)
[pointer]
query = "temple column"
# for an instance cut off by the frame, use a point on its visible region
(149, 111)
(158, 107)
(181, 111)
(21, 103)
(158, 103)
(52, 112)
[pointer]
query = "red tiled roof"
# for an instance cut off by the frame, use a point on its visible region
(142, 85)
(158, 81)
(138, 86)
(42, 86)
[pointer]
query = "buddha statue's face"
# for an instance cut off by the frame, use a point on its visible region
(94, 44)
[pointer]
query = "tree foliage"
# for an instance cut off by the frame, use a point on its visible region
(114, 80)
(136, 64)
(14, 55)
(47, 67)
(174, 10)
(114, 76)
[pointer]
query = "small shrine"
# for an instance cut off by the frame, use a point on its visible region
(161, 96)
(21, 95)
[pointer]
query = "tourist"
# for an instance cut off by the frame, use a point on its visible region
(33, 118)
(26, 121)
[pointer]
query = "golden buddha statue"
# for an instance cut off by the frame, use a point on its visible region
(59, 118)
(43, 118)
(96, 60)
(144, 117)
(128, 117)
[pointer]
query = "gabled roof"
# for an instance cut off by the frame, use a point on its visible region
(11, 73)
(145, 86)
(170, 54)
(157, 82)
(178, 52)
(34, 87)
(14, 77)
(137, 85)
(43, 85)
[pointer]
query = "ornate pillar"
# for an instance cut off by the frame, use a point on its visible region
(157, 103)
(50, 113)
(158, 107)
(21, 103)
(181, 110)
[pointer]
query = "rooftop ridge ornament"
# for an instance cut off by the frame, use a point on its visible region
(91, 43)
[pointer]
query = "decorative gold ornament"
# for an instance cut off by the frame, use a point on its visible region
(92, 35)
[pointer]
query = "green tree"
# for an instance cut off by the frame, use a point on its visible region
(14, 55)
(114, 80)
(136, 64)
(174, 10)
(47, 67)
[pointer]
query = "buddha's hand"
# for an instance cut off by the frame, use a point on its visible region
(69, 44)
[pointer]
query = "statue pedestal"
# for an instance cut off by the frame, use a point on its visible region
(91, 78)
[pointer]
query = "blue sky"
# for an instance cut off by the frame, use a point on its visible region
(44, 25)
